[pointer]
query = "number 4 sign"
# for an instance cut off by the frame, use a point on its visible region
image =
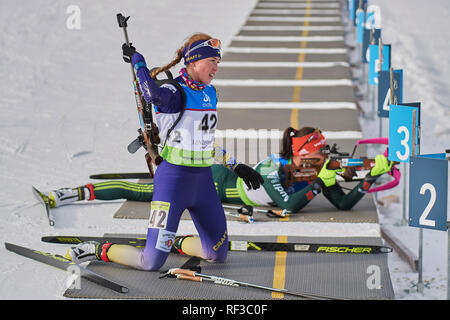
(428, 192)
(389, 80)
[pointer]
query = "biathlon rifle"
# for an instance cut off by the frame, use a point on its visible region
(149, 132)
(310, 168)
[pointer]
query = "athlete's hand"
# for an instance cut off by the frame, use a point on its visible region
(328, 176)
(127, 52)
(382, 165)
(252, 179)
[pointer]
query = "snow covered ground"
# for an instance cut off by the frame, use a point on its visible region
(66, 111)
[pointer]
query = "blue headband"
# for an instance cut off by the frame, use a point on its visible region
(199, 53)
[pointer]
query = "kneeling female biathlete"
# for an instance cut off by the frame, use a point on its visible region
(184, 179)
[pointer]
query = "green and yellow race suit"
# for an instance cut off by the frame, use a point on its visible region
(232, 189)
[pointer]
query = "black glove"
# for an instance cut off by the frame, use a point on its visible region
(127, 52)
(252, 179)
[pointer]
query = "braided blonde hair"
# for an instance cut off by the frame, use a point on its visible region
(179, 53)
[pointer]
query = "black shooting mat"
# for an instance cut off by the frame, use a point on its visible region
(331, 274)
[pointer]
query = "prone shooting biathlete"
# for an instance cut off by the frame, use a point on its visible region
(184, 178)
(231, 189)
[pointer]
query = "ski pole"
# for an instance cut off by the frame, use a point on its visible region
(190, 275)
(240, 216)
(250, 209)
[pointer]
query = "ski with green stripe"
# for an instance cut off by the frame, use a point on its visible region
(238, 245)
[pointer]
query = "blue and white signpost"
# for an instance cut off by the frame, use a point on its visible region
(390, 90)
(370, 36)
(403, 138)
(404, 131)
(353, 5)
(379, 60)
(373, 19)
(370, 31)
(428, 193)
(360, 23)
(404, 142)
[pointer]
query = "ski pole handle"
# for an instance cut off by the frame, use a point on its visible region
(280, 213)
(122, 21)
(178, 271)
(185, 277)
(184, 274)
(240, 216)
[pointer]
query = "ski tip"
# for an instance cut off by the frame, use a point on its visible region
(386, 249)
(35, 189)
(46, 202)
(12, 247)
(37, 193)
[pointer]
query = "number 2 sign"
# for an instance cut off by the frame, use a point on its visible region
(428, 193)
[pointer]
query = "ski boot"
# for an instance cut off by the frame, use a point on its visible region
(62, 196)
(89, 251)
(65, 196)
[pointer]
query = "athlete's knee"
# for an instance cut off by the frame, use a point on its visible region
(218, 256)
(157, 249)
(153, 261)
(151, 264)
(219, 252)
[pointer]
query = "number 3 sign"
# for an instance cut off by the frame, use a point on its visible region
(428, 192)
(402, 131)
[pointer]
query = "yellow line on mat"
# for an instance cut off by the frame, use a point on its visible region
(299, 74)
(279, 272)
